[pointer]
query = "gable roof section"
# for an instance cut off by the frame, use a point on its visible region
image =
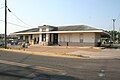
(46, 26)
(76, 28)
(29, 30)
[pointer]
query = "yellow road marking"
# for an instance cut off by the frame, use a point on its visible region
(43, 53)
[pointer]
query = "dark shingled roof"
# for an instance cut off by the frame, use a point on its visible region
(75, 28)
(29, 30)
(62, 28)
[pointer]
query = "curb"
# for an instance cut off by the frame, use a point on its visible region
(82, 47)
(47, 54)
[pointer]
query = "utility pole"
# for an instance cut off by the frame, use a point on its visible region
(5, 24)
(113, 30)
(118, 36)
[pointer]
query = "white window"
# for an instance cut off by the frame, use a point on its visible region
(43, 29)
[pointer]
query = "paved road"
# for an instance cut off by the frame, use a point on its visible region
(20, 66)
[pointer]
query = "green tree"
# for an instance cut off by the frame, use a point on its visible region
(116, 35)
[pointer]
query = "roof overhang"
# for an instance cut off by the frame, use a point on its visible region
(105, 35)
(102, 32)
(84, 31)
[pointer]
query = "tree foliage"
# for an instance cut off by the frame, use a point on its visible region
(116, 34)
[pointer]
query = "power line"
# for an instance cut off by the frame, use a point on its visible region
(1, 4)
(18, 17)
(15, 24)
(2, 7)
(118, 16)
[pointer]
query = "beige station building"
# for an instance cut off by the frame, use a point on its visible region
(74, 35)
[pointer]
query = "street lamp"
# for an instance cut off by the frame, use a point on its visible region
(113, 30)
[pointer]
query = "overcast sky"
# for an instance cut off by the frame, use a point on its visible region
(94, 13)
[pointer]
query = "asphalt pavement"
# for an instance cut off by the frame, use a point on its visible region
(20, 66)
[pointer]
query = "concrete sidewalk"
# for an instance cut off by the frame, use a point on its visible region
(61, 49)
(86, 52)
(103, 54)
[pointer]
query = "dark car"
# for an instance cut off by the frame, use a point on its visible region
(2, 43)
(14, 42)
(25, 44)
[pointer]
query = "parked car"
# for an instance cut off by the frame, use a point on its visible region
(25, 45)
(14, 42)
(2, 43)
